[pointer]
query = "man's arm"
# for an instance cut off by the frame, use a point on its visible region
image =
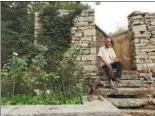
(117, 59)
(104, 61)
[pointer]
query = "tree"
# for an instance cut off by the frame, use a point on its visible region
(17, 28)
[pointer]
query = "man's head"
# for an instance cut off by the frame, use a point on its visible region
(108, 43)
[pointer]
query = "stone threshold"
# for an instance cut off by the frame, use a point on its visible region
(94, 108)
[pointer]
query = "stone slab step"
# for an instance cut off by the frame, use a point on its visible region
(131, 73)
(132, 102)
(138, 112)
(62, 110)
(104, 78)
(126, 91)
(124, 83)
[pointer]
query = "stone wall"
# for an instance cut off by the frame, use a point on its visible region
(84, 34)
(142, 27)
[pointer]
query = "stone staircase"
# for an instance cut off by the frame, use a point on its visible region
(135, 95)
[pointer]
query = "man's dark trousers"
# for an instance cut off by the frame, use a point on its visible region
(109, 71)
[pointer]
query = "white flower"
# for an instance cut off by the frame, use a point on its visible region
(14, 53)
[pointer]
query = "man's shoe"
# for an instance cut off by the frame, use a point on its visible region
(113, 86)
(118, 80)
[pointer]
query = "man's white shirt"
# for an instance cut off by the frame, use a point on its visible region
(106, 53)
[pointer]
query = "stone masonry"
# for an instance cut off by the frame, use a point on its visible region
(84, 34)
(142, 27)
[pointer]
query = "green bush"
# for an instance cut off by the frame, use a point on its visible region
(51, 64)
(52, 99)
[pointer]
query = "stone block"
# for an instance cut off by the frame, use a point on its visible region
(151, 28)
(139, 45)
(135, 41)
(153, 22)
(152, 32)
(74, 28)
(89, 32)
(93, 24)
(139, 28)
(81, 24)
(129, 103)
(153, 36)
(86, 51)
(137, 22)
(86, 42)
(136, 17)
(139, 112)
(75, 38)
(143, 41)
(84, 14)
(90, 68)
(127, 91)
(76, 42)
(151, 53)
(94, 38)
(151, 41)
(88, 57)
(144, 35)
(94, 62)
(89, 11)
(86, 38)
(148, 50)
(73, 32)
(85, 45)
(134, 14)
(83, 28)
(148, 16)
(86, 19)
(140, 67)
(78, 34)
(93, 50)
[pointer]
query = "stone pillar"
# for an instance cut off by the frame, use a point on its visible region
(37, 26)
(142, 27)
(84, 34)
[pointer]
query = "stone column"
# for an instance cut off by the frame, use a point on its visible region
(84, 34)
(142, 26)
(37, 26)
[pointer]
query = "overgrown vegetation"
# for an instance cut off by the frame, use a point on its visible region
(49, 66)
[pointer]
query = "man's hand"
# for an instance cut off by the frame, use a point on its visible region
(118, 60)
(109, 66)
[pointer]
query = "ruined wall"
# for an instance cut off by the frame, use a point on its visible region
(84, 34)
(142, 27)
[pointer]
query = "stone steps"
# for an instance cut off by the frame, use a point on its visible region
(126, 91)
(124, 83)
(124, 77)
(132, 102)
(134, 92)
(123, 73)
(138, 112)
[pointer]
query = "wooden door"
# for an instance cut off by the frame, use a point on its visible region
(122, 47)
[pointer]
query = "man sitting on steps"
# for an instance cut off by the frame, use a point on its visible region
(109, 62)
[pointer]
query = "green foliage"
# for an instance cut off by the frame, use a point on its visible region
(66, 5)
(17, 29)
(71, 73)
(15, 77)
(51, 64)
(52, 99)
